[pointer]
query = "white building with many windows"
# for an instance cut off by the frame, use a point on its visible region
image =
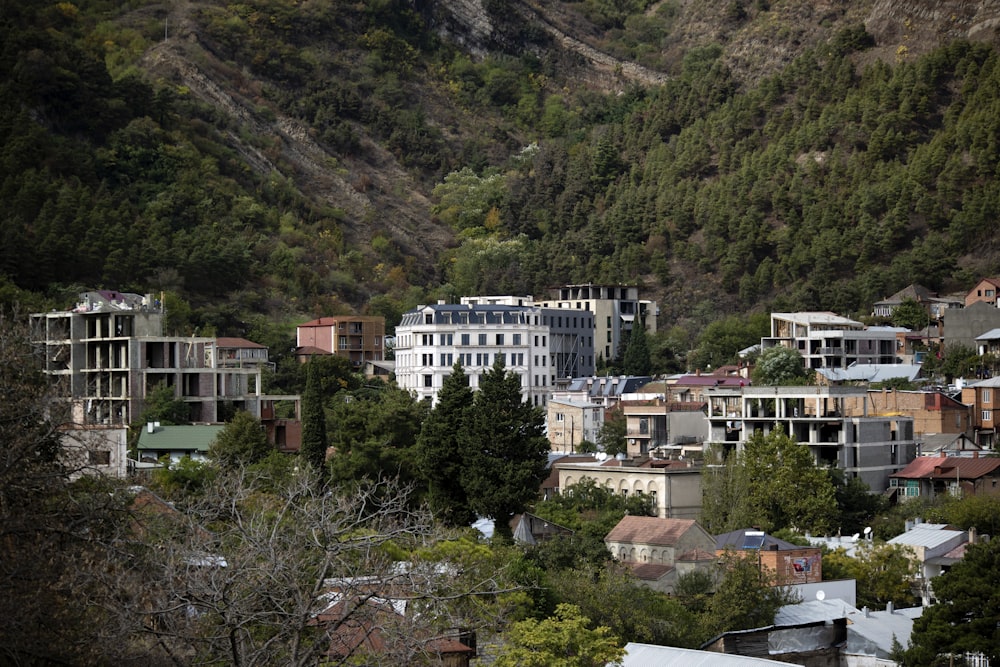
(531, 341)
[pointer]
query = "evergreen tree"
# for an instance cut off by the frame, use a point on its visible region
(966, 617)
(637, 358)
(314, 439)
(439, 450)
(504, 449)
(242, 442)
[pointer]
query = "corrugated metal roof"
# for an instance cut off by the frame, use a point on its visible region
(813, 611)
(196, 437)
(923, 536)
(949, 467)
(650, 655)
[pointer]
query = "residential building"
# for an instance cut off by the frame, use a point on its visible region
(540, 345)
(868, 447)
(929, 477)
(668, 430)
(357, 338)
(571, 422)
(616, 309)
(826, 340)
(673, 486)
(934, 548)
(176, 442)
(606, 391)
(869, 373)
(983, 399)
(934, 305)
(988, 343)
(782, 562)
(985, 291)
(661, 550)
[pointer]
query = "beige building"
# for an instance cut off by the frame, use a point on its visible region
(616, 309)
(659, 551)
(932, 412)
(674, 486)
(571, 422)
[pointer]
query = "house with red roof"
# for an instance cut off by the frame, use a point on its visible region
(359, 339)
(659, 551)
(985, 290)
(932, 476)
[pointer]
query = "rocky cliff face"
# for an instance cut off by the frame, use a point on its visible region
(911, 27)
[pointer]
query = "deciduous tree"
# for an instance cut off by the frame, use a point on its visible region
(564, 639)
(241, 442)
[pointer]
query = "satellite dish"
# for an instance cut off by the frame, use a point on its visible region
(868, 531)
(601, 456)
(855, 536)
(820, 595)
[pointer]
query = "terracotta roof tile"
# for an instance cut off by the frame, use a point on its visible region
(649, 530)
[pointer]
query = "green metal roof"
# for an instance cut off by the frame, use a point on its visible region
(178, 438)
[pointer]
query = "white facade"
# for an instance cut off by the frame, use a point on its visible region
(430, 340)
(826, 340)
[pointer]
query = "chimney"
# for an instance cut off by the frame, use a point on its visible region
(889, 607)
(697, 372)
(972, 535)
(865, 611)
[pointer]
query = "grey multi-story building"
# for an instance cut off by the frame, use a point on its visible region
(868, 447)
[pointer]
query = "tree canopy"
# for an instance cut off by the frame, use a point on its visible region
(773, 483)
(505, 449)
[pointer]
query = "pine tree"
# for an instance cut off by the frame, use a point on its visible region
(637, 360)
(505, 450)
(314, 439)
(439, 450)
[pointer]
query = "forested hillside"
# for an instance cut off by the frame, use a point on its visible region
(272, 160)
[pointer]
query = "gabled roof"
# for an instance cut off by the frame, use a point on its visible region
(916, 292)
(992, 281)
(871, 372)
(649, 530)
(237, 342)
(991, 382)
(651, 655)
(649, 571)
(950, 467)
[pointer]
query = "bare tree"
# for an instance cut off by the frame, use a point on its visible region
(263, 571)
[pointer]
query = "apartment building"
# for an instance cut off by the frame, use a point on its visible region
(868, 447)
(983, 399)
(616, 309)
(537, 344)
(827, 340)
(356, 338)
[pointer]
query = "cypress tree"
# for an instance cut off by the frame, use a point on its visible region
(636, 360)
(314, 439)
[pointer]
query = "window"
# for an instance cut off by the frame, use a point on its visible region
(986, 395)
(427, 359)
(447, 339)
(447, 359)
(499, 339)
(517, 339)
(560, 417)
(427, 339)
(482, 339)
(428, 380)
(99, 458)
(428, 318)
(465, 339)
(987, 415)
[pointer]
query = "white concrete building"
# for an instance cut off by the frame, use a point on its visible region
(431, 339)
(826, 340)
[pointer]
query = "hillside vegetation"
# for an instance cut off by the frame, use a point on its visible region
(272, 160)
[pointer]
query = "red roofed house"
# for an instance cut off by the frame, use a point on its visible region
(659, 551)
(931, 476)
(358, 339)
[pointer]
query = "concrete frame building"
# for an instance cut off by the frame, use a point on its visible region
(615, 309)
(541, 345)
(827, 340)
(868, 447)
(107, 354)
